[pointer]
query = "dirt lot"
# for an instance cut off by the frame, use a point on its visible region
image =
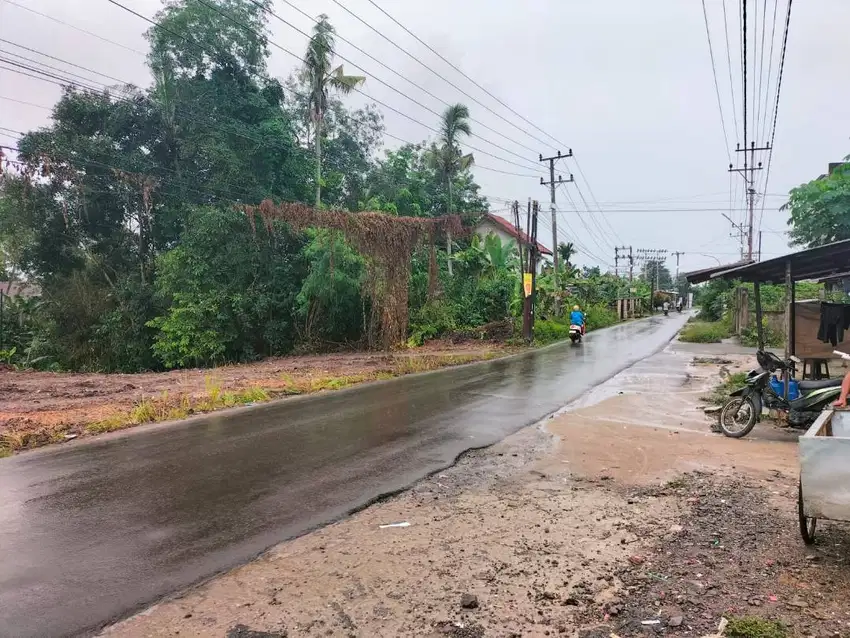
(623, 516)
(37, 408)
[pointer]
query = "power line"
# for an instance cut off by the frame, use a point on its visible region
(62, 81)
(729, 63)
(76, 28)
(45, 65)
(25, 103)
(298, 57)
(593, 197)
(744, 63)
(776, 104)
(47, 55)
(767, 95)
(597, 239)
(393, 71)
(418, 39)
(716, 85)
(374, 77)
(760, 67)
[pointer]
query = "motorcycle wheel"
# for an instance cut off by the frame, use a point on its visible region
(738, 417)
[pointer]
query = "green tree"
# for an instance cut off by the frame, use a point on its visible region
(230, 294)
(448, 159)
(320, 76)
(820, 209)
(566, 252)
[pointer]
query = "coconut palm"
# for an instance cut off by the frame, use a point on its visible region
(320, 77)
(446, 156)
(566, 252)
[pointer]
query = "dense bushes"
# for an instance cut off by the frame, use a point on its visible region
(230, 294)
(705, 332)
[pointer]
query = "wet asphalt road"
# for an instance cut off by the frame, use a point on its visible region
(91, 531)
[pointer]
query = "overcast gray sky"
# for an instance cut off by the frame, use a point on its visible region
(626, 84)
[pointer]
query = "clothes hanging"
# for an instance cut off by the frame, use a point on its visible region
(834, 320)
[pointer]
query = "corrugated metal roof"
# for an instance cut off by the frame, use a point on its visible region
(812, 263)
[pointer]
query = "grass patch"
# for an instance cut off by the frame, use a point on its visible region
(169, 408)
(163, 408)
(754, 627)
(722, 390)
(705, 332)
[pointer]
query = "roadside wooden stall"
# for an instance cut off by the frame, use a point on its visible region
(812, 264)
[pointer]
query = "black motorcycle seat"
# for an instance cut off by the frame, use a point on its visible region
(817, 385)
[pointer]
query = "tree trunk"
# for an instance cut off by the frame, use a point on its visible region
(318, 162)
(449, 232)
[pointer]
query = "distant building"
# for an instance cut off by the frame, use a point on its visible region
(501, 227)
(19, 289)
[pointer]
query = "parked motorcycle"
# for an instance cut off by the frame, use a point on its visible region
(805, 401)
(575, 333)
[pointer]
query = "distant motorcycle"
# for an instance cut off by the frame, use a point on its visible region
(575, 333)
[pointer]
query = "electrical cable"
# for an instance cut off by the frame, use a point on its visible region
(776, 103)
(446, 80)
(76, 28)
(716, 85)
(729, 64)
(248, 28)
(391, 70)
(47, 55)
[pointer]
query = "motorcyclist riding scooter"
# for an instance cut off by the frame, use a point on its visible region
(577, 325)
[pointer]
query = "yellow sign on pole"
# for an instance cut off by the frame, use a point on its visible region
(526, 283)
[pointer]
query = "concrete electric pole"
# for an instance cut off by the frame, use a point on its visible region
(748, 173)
(553, 209)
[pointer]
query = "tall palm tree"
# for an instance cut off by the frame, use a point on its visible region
(447, 158)
(320, 77)
(566, 252)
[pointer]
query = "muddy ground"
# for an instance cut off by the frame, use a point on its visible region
(42, 407)
(622, 516)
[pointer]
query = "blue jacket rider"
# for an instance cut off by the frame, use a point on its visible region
(577, 317)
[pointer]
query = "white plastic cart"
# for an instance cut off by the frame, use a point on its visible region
(824, 491)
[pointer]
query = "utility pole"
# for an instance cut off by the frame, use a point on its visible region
(531, 271)
(759, 245)
(655, 257)
(678, 254)
(748, 173)
(553, 209)
(518, 227)
(630, 257)
(742, 232)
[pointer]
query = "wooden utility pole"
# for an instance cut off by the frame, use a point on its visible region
(553, 209)
(530, 271)
(748, 173)
(518, 227)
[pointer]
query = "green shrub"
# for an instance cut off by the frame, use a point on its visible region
(600, 317)
(704, 332)
(432, 320)
(550, 331)
(772, 338)
(753, 627)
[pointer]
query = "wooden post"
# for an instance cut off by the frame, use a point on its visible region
(789, 292)
(793, 329)
(759, 326)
